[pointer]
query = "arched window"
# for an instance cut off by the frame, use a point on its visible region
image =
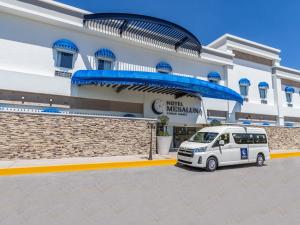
(105, 59)
(65, 50)
(244, 86)
(289, 91)
(214, 77)
(263, 88)
(164, 67)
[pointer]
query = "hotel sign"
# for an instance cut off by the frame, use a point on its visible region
(174, 108)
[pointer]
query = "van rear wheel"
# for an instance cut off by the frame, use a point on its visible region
(211, 164)
(260, 160)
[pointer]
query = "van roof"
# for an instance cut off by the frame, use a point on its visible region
(241, 129)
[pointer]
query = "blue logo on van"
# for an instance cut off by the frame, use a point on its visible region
(244, 153)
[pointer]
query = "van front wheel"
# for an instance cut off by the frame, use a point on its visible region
(211, 164)
(260, 160)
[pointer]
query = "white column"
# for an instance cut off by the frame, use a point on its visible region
(232, 106)
(278, 99)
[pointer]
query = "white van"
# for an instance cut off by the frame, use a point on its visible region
(224, 145)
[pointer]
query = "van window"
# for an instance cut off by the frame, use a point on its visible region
(243, 138)
(224, 137)
(203, 137)
(260, 138)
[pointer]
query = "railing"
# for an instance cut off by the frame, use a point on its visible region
(65, 111)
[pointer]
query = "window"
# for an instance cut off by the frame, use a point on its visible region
(243, 138)
(203, 137)
(224, 137)
(104, 64)
(263, 93)
(288, 97)
(260, 138)
(244, 90)
(64, 60)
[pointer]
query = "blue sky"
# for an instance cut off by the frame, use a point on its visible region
(275, 23)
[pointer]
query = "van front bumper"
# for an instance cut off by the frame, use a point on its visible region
(197, 160)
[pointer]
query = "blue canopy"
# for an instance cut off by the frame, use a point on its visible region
(185, 84)
(214, 76)
(263, 85)
(244, 81)
(65, 44)
(164, 67)
(266, 124)
(289, 89)
(105, 54)
(51, 110)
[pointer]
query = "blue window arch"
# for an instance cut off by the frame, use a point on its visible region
(289, 91)
(65, 45)
(65, 50)
(164, 67)
(105, 58)
(244, 86)
(263, 87)
(214, 76)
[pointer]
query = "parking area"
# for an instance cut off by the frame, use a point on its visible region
(156, 195)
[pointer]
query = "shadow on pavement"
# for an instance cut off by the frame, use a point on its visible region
(196, 169)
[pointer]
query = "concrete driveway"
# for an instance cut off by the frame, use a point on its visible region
(157, 195)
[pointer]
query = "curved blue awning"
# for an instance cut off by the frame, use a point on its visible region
(164, 67)
(214, 76)
(244, 81)
(64, 44)
(266, 124)
(185, 84)
(289, 89)
(263, 85)
(105, 54)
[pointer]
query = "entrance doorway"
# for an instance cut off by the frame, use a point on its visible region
(181, 134)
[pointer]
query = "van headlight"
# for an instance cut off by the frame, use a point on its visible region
(202, 149)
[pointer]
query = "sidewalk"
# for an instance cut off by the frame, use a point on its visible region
(81, 160)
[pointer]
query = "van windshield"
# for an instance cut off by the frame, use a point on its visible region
(203, 137)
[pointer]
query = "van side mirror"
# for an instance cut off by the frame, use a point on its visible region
(221, 143)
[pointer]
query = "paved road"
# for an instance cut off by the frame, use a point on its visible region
(157, 195)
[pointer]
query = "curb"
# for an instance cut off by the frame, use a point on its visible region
(108, 165)
(84, 167)
(284, 155)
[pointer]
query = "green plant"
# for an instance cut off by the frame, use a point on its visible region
(162, 124)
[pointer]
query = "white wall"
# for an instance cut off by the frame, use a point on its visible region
(255, 73)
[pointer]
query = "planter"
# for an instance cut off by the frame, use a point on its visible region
(163, 144)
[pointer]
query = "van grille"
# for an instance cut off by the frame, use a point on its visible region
(186, 152)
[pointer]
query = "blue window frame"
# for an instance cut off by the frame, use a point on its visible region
(65, 60)
(263, 93)
(288, 97)
(244, 90)
(104, 64)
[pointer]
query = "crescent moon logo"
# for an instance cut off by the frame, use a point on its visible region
(155, 107)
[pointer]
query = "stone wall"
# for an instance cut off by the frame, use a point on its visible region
(282, 138)
(34, 136)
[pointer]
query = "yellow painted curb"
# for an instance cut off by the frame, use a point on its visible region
(109, 165)
(82, 167)
(284, 155)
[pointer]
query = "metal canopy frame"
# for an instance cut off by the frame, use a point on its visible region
(144, 29)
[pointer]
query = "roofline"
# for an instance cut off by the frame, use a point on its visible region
(286, 69)
(244, 41)
(57, 6)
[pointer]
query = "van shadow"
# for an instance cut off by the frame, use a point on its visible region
(222, 168)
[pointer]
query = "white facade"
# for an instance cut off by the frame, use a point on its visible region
(28, 65)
